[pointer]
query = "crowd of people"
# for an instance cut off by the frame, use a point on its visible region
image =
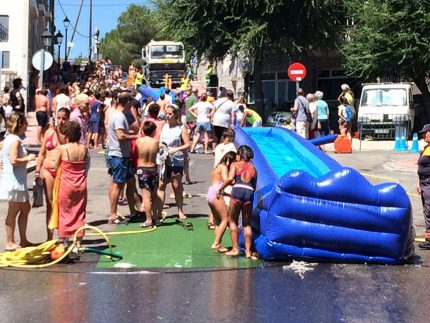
(311, 113)
(148, 145)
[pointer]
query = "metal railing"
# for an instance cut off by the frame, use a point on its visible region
(383, 126)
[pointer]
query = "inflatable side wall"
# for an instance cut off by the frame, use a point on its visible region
(335, 214)
(148, 92)
(154, 93)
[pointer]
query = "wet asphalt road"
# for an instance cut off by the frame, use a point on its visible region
(328, 293)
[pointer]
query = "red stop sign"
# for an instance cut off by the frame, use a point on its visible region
(296, 72)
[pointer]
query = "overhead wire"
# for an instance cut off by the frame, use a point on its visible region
(75, 29)
(74, 26)
(108, 5)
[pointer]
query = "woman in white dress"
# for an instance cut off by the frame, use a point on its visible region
(14, 181)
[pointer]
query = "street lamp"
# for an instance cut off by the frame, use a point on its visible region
(59, 40)
(47, 40)
(66, 23)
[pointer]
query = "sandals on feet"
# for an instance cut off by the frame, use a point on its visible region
(118, 220)
(146, 225)
(12, 249)
(189, 182)
(137, 217)
(211, 226)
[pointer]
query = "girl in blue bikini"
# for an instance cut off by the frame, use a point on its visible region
(244, 175)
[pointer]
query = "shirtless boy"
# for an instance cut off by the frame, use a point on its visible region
(147, 171)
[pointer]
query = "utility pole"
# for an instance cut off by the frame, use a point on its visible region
(74, 27)
(96, 43)
(90, 47)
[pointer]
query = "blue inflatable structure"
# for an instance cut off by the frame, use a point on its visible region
(323, 140)
(149, 92)
(154, 93)
(309, 207)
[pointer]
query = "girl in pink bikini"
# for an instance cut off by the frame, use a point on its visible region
(47, 159)
(217, 205)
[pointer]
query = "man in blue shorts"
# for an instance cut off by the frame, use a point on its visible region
(119, 162)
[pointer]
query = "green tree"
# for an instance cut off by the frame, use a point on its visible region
(136, 27)
(390, 37)
(255, 28)
(119, 51)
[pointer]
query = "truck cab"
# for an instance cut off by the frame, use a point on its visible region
(161, 58)
(383, 107)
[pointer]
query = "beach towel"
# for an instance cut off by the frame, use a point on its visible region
(53, 220)
(72, 198)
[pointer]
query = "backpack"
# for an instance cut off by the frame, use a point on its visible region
(14, 101)
(349, 113)
(307, 112)
(308, 115)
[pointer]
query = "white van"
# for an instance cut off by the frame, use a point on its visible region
(383, 106)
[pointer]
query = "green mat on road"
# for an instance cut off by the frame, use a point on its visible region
(172, 246)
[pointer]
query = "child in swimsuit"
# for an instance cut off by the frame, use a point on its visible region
(244, 176)
(217, 205)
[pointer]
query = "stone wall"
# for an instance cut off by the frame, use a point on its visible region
(229, 74)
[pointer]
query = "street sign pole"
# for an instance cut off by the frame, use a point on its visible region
(42, 60)
(297, 72)
(42, 67)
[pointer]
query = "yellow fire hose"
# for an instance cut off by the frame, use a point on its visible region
(39, 256)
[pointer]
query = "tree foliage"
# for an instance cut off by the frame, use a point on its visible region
(390, 37)
(136, 27)
(114, 47)
(214, 28)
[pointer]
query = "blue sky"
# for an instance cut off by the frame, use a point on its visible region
(105, 16)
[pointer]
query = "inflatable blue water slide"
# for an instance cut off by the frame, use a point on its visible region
(309, 207)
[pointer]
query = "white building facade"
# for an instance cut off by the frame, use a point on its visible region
(22, 23)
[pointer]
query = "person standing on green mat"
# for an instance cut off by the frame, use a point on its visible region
(147, 171)
(217, 205)
(244, 175)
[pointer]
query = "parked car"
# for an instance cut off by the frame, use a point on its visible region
(278, 118)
